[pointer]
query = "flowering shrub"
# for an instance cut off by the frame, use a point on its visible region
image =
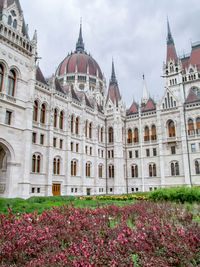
(142, 234)
(117, 197)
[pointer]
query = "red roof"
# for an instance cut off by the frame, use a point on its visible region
(195, 56)
(171, 53)
(150, 105)
(40, 76)
(113, 93)
(192, 97)
(81, 61)
(133, 109)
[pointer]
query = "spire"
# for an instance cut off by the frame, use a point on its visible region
(169, 35)
(5, 4)
(145, 95)
(80, 44)
(113, 79)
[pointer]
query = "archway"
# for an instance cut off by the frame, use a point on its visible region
(5, 157)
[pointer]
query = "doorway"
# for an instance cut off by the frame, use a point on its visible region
(56, 189)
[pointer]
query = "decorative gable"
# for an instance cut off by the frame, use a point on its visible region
(169, 100)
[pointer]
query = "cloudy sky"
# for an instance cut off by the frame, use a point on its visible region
(133, 32)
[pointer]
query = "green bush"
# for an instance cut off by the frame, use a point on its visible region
(178, 194)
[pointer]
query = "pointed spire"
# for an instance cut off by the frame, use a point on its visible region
(80, 44)
(5, 4)
(35, 36)
(113, 79)
(145, 95)
(169, 35)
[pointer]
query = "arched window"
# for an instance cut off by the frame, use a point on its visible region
(146, 133)
(110, 135)
(55, 117)
(101, 134)
(134, 171)
(35, 111)
(152, 170)
(72, 124)
(190, 127)
(73, 168)
(175, 169)
(90, 130)
(77, 125)
(153, 132)
(130, 136)
(43, 113)
(86, 128)
(171, 129)
(36, 163)
(1, 77)
(136, 135)
(11, 83)
(100, 171)
(198, 125)
(111, 171)
(56, 166)
(15, 24)
(197, 166)
(88, 169)
(61, 120)
(9, 20)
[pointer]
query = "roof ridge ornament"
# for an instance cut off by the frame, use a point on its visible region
(113, 79)
(170, 39)
(80, 44)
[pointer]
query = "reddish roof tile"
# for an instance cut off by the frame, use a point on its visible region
(171, 53)
(192, 97)
(195, 57)
(133, 109)
(40, 76)
(58, 87)
(113, 93)
(150, 105)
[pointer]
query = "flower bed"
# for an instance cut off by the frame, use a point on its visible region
(142, 234)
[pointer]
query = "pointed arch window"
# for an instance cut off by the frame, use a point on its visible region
(136, 135)
(197, 166)
(86, 129)
(100, 171)
(190, 127)
(73, 168)
(153, 132)
(130, 136)
(171, 129)
(72, 124)
(175, 168)
(101, 134)
(55, 117)
(1, 77)
(90, 130)
(61, 120)
(15, 24)
(110, 135)
(88, 169)
(43, 113)
(152, 170)
(9, 20)
(36, 163)
(111, 171)
(56, 166)
(198, 125)
(146, 133)
(134, 171)
(35, 111)
(11, 83)
(77, 125)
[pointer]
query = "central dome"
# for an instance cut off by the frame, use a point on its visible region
(79, 62)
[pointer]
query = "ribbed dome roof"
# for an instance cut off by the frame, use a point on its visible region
(79, 60)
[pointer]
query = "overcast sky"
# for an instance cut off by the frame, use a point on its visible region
(133, 32)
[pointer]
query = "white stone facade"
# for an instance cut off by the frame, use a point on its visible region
(39, 157)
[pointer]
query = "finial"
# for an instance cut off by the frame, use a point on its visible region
(5, 4)
(169, 35)
(113, 77)
(143, 76)
(80, 44)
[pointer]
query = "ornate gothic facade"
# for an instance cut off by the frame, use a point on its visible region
(68, 135)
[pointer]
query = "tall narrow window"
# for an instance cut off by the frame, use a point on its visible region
(15, 24)
(101, 134)
(43, 113)
(146, 133)
(198, 125)
(77, 125)
(153, 132)
(11, 83)
(56, 166)
(72, 124)
(100, 171)
(86, 128)
(171, 129)
(1, 77)
(130, 137)
(8, 117)
(175, 169)
(36, 163)
(190, 127)
(35, 111)
(111, 170)
(88, 169)
(61, 120)
(90, 130)
(152, 170)
(55, 117)
(134, 171)
(9, 20)
(136, 135)
(73, 168)
(110, 135)
(197, 166)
